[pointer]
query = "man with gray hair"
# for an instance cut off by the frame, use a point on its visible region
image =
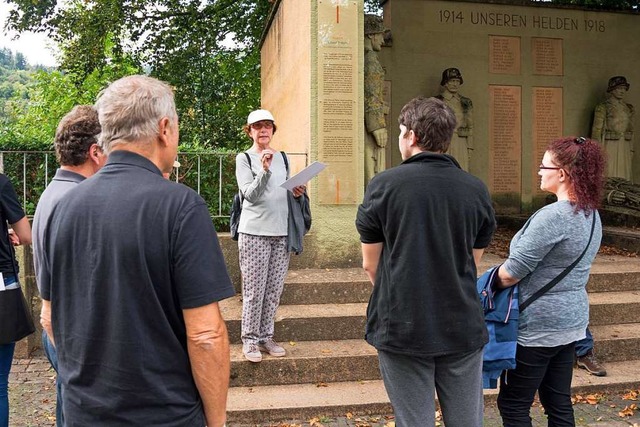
(80, 156)
(424, 226)
(133, 271)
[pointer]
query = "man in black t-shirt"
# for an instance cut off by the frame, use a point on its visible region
(135, 273)
(10, 213)
(424, 226)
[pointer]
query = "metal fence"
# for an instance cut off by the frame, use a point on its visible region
(211, 174)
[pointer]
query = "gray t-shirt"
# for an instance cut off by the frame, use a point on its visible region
(551, 240)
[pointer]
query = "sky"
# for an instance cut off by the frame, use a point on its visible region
(35, 47)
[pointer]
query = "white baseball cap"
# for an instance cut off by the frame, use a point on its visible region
(259, 115)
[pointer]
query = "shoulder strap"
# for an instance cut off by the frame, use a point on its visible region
(249, 160)
(562, 275)
(286, 162)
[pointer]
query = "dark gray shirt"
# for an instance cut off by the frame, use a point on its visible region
(63, 181)
(124, 254)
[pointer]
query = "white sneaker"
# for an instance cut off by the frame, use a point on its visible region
(272, 347)
(251, 352)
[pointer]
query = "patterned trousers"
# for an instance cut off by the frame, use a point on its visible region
(264, 261)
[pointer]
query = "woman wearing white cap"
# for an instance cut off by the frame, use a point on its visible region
(262, 242)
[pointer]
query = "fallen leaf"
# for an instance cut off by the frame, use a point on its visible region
(292, 343)
(628, 411)
(349, 415)
(390, 424)
(314, 422)
(631, 395)
(322, 385)
(325, 351)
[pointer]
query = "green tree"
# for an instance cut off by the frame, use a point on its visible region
(207, 49)
(631, 5)
(32, 117)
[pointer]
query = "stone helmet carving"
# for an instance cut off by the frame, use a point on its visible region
(451, 73)
(373, 25)
(616, 81)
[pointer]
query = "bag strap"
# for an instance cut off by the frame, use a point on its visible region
(249, 160)
(562, 275)
(286, 161)
(13, 257)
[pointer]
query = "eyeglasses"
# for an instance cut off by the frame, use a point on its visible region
(267, 124)
(543, 167)
(580, 140)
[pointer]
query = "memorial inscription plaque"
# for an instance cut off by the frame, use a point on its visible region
(338, 117)
(547, 56)
(504, 55)
(505, 136)
(547, 126)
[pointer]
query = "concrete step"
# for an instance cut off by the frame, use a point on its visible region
(355, 360)
(307, 362)
(320, 286)
(350, 285)
(617, 343)
(313, 322)
(317, 322)
(609, 308)
(621, 237)
(304, 401)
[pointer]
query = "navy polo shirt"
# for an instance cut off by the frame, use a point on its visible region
(126, 252)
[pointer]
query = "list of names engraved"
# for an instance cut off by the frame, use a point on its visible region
(338, 116)
(505, 135)
(547, 56)
(504, 55)
(547, 125)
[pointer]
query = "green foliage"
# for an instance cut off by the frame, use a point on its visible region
(205, 48)
(631, 5)
(31, 120)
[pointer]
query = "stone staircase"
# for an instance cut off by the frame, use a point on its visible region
(330, 370)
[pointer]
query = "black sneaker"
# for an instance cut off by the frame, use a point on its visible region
(591, 364)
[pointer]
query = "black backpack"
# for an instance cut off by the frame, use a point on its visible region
(238, 198)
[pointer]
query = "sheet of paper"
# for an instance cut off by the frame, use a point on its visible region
(1, 283)
(303, 176)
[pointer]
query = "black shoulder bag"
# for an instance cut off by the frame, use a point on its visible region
(15, 317)
(562, 275)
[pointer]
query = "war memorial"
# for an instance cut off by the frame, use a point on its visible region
(517, 76)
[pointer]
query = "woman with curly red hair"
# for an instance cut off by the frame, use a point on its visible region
(554, 238)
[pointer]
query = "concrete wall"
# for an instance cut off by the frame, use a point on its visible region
(601, 45)
(286, 80)
(289, 90)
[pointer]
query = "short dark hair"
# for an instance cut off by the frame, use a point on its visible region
(76, 133)
(431, 120)
(584, 161)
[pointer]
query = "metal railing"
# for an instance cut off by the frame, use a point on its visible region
(211, 174)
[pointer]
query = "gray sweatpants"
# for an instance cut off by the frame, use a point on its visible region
(264, 261)
(411, 383)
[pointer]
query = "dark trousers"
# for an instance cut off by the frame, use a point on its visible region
(549, 371)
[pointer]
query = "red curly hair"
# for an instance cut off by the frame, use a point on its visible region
(584, 161)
